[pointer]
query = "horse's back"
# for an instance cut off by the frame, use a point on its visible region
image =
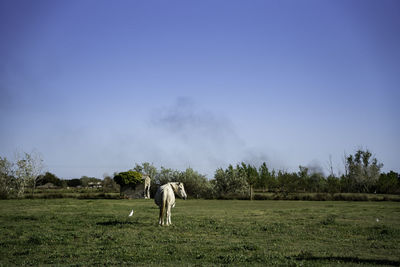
(147, 180)
(159, 195)
(164, 193)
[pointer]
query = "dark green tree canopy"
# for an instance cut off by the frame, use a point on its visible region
(131, 178)
(74, 182)
(49, 177)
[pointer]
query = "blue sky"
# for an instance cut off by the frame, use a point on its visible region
(96, 86)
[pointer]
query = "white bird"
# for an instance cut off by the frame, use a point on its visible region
(377, 220)
(130, 214)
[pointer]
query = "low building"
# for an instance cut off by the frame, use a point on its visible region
(139, 191)
(95, 185)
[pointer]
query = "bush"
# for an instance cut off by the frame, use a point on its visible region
(350, 197)
(196, 184)
(110, 186)
(130, 178)
(74, 182)
(262, 197)
(49, 177)
(321, 197)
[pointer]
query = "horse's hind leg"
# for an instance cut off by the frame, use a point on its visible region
(160, 217)
(169, 215)
(162, 214)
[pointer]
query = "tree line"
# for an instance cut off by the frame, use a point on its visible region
(362, 174)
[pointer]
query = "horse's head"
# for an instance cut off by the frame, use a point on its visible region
(180, 191)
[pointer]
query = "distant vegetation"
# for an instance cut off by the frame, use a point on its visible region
(362, 174)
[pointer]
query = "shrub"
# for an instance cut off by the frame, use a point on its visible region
(74, 182)
(321, 197)
(130, 178)
(110, 186)
(262, 197)
(350, 197)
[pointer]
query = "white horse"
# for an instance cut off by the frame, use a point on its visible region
(147, 182)
(165, 199)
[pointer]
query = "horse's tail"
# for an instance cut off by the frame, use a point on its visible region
(162, 209)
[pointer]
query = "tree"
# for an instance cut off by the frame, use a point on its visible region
(146, 168)
(329, 166)
(166, 175)
(251, 175)
(287, 182)
(24, 173)
(129, 178)
(221, 181)
(196, 184)
(7, 179)
(266, 180)
(304, 178)
(230, 181)
(237, 180)
(109, 185)
(333, 184)
(363, 170)
(74, 182)
(49, 177)
(138, 168)
(389, 183)
(272, 183)
(149, 169)
(29, 167)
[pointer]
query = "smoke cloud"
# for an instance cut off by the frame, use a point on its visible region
(183, 135)
(190, 137)
(177, 136)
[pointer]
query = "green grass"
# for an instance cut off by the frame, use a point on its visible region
(326, 196)
(204, 232)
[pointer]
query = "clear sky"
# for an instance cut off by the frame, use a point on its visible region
(96, 86)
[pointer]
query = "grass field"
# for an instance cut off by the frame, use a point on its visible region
(204, 232)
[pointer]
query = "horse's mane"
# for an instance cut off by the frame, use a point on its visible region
(174, 185)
